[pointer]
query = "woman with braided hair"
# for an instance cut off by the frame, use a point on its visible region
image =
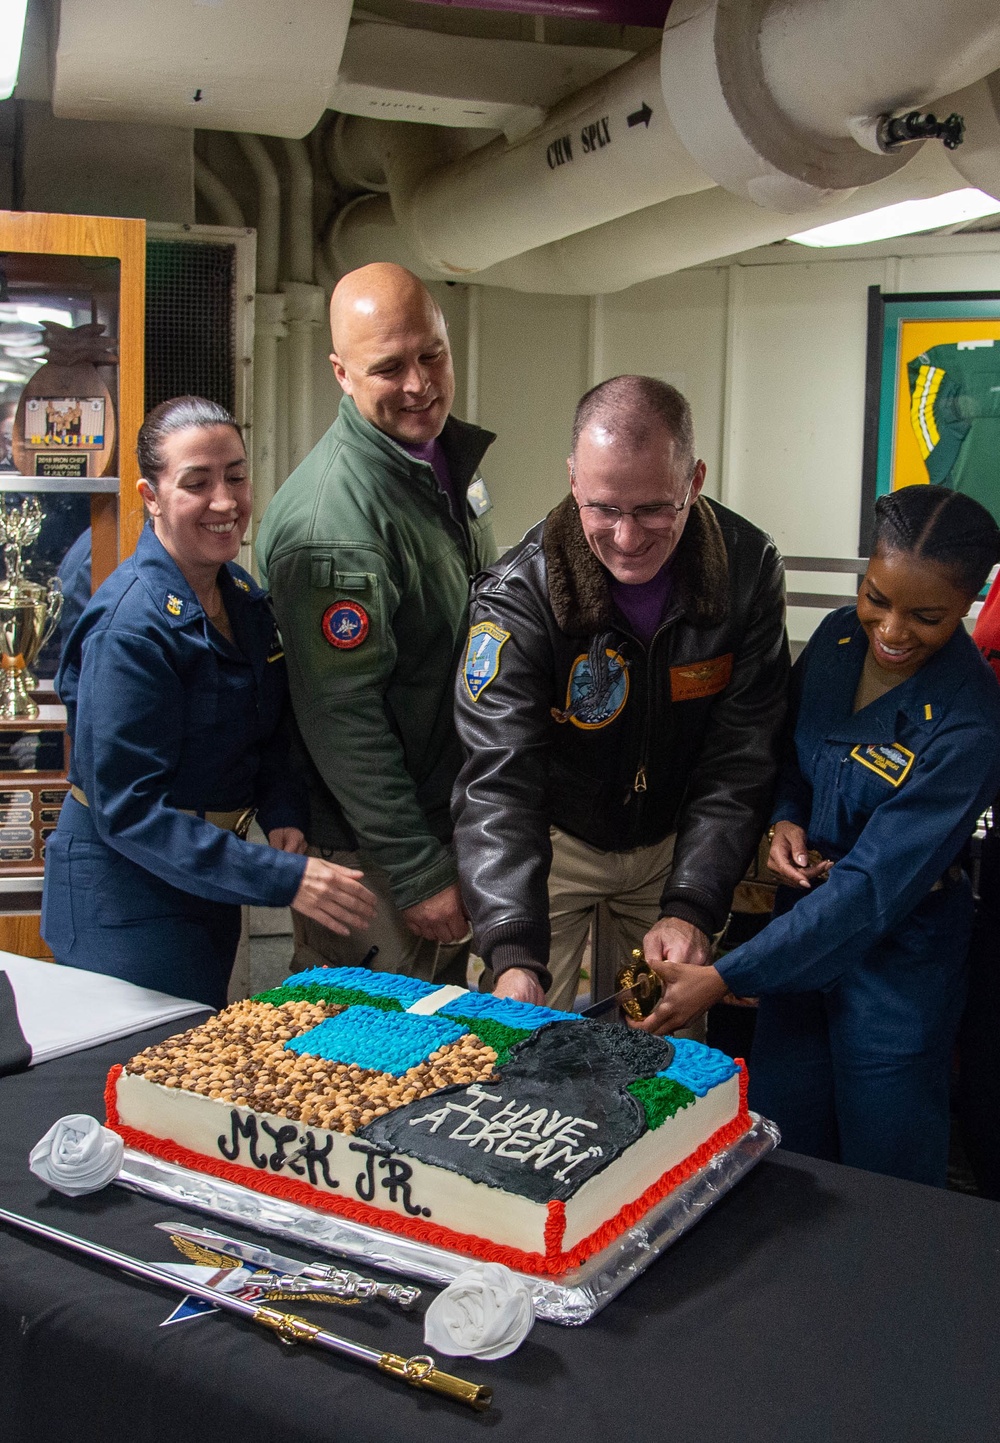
(894, 752)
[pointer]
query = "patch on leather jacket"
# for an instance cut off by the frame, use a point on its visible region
(482, 657)
(697, 679)
(589, 705)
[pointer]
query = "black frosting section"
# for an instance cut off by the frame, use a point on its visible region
(557, 1114)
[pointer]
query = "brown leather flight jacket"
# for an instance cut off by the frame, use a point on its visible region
(568, 720)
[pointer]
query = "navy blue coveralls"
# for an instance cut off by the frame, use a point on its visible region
(165, 714)
(862, 979)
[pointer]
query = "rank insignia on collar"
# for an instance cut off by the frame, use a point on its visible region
(892, 763)
(479, 499)
(345, 625)
(238, 581)
(174, 604)
(482, 657)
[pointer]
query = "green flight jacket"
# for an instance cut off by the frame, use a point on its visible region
(369, 574)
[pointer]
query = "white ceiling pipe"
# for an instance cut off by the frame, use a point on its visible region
(875, 56)
(607, 150)
(777, 99)
(268, 212)
(366, 230)
(687, 231)
(299, 223)
(394, 72)
(218, 196)
(694, 230)
(254, 66)
(354, 159)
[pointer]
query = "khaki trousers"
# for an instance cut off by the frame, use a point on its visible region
(629, 883)
(399, 949)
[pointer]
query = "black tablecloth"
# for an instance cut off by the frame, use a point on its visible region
(813, 1303)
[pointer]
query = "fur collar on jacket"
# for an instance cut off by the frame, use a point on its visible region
(578, 584)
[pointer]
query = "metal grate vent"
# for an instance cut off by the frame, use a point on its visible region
(190, 321)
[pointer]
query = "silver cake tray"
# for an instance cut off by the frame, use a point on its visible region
(572, 1298)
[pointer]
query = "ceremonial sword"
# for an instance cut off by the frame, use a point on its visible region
(341, 1281)
(419, 1372)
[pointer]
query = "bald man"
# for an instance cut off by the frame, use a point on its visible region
(368, 549)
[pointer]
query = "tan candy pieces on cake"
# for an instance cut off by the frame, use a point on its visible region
(240, 1057)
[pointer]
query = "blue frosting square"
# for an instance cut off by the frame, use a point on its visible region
(505, 1010)
(367, 1037)
(698, 1067)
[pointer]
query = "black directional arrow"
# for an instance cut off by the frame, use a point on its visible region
(640, 117)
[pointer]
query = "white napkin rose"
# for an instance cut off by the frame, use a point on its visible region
(486, 1312)
(77, 1155)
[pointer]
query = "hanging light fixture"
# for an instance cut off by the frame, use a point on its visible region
(906, 218)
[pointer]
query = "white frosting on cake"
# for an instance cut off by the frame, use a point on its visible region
(446, 1198)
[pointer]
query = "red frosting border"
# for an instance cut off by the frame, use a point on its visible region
(553, 1263)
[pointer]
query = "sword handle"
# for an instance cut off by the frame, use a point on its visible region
(421, 1372)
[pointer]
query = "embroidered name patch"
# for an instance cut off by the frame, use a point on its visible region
(589, 705)
(699, 679)
(891, 762)
(174, 604)
(482, 657)
(345, 624)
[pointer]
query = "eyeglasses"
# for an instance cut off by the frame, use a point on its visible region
(657, 517)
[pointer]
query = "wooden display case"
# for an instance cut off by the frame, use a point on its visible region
(74, 271)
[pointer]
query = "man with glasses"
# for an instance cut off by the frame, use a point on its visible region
(623, 688)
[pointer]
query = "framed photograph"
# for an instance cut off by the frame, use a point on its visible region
(932, 396)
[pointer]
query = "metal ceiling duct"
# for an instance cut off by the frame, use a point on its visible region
(778, 99)
(775, 100)
(260, 67)
(656, 241)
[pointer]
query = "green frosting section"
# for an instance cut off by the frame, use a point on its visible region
(498, 1035)
(341, 996)
(661, 1097)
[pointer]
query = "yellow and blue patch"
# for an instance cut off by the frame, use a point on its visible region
(891, 762)
(585, 710)
(482, 657)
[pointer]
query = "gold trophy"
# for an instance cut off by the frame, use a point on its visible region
(29, 612)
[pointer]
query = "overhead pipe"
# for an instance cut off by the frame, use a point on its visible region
(606, 150)
(269, 325)
(778, 100)
(305, 303)
(977, 160)
(659, 240)
(608, 12)
(615, 147)
(268, 211)
(217, 195)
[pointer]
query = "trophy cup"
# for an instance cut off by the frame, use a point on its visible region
(29, 613)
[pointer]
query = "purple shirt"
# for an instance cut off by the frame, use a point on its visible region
(433, 453)
(643, 603)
